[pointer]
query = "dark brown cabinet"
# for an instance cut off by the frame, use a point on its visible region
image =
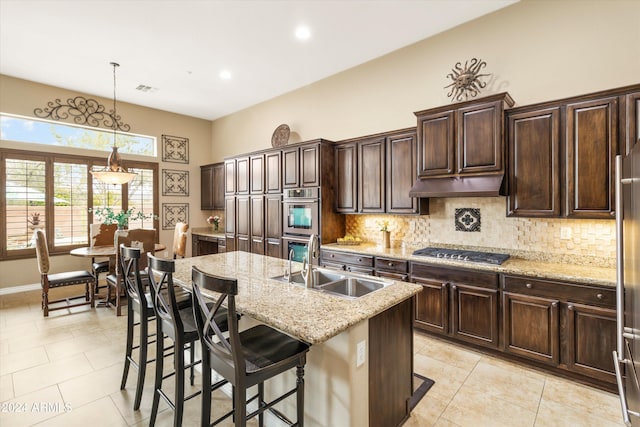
(273, 225)
(346, 177)
(212, 187)
(390, 268)
(205, 245)
(257, 224)
(242, 175)
(230, 222)
(273, 172)
(301, 166)
(243, 223)
(465, 138)
(290, 165)
(256, 174)
(629, 121)
(356, 263)
(401, 175)
(460, 303)
(534, 158)
(230, 176)
(371, 176)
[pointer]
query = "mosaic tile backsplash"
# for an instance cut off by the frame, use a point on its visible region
(585, 242)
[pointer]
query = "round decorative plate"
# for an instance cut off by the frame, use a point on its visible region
(280, 136)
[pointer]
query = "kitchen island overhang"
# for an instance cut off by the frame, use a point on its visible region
(336, 383)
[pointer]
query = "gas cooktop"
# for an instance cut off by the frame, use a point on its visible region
(462, 255)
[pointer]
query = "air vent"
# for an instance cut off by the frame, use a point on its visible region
(145, 88)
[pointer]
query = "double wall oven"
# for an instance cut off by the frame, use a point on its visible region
(300, 219)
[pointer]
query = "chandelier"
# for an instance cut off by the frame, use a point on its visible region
(114, 173)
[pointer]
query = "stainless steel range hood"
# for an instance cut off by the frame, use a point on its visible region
(459, 186)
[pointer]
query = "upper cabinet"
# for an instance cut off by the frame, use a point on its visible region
(212, 186)
(256, 175)
(462, 139)
(242, 175)
(301, 166)
(273, 172)
(375, 173)
(562, 153)
(230, 176)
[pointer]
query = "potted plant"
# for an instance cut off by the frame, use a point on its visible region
(122, 218)
(215, 221)
(386, 234)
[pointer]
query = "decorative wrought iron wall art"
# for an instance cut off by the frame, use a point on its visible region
(84, 111)
(173, 213)
(175, 183)
(467, 219)
(466, 80)
(175, 149)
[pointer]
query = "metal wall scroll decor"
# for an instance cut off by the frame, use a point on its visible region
(175, 183)
(83, 111)
(466, 80)
(175, 149)
(467, 219)
(173, 213)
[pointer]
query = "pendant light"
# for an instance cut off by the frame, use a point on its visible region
(114, 173)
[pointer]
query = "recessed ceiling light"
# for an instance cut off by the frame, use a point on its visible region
(225, 74)
(303, 33)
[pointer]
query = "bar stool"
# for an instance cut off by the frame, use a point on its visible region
(174, 318)
(245, 358)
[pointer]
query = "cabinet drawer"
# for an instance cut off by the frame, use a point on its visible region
(563, 291)
(403, 277)
(450, 275)
(391, 265)
(345, 258)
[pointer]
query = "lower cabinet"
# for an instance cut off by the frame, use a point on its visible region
(356, 263)
(205, 244)
(459, 303)
(392, 268)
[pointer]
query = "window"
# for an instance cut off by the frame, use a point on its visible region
(38, 131)
(56, 193)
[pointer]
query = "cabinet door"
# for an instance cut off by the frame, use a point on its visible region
(206, 187)
(474, 315)
(436, 144)
(230, 215)
(346, 178)
(401, 173)
(591, 147)
(243, 210)
(273, 174)
(520, 313)
(371, 176)
(630, 121)
(290, 168)
(310, 166)
(230, 176)
(479, 138)
(534, 163)
(273, 216)
(257, 224)
(242, 175)
(218, 186)
(591, 338)
(273, 248)
(432, 305)
(256, 174)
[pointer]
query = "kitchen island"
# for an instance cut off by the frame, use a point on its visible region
(339, 389)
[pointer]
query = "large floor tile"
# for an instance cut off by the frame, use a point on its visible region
(426, 413)
(14, 362)
(51, 373)
(102, 413)
(31, 408)
(554, 414)
(448, 378)
(92, 386)
(6, 387)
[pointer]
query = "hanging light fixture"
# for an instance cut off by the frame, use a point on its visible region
(114, 173)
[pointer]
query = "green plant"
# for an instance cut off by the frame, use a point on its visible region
(384, 226)
(122, 218)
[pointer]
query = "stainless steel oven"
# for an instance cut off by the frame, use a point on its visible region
(301, 212)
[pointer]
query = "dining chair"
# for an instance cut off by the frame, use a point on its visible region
(244, 359)
(180, 240)
(101, 235)
(50, 281)
(175, 320)
(143, 238)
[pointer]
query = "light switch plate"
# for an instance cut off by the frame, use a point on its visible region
(361, 353)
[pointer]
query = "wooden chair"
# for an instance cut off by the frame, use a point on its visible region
(101, 235)
(245, 358)
(139, 238)
(174, 319)
(49, 281)
(180, 240)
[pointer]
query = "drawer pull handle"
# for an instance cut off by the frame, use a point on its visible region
(390, 264)
(600, 296)
(333, 255)
(529, 285)
(359, 259)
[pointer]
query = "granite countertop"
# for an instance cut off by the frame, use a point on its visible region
(307, 314)
(207, 231)
(514, 265)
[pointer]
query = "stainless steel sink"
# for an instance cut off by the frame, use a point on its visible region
(353, 287)
(320, 276)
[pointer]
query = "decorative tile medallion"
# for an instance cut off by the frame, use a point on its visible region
(467, 219)
(175, 183)
(172, 213)
(175, 149)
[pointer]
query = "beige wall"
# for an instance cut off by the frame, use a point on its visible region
(22, 97)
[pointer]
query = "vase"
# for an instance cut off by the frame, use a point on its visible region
(386, 239)
(215, 227)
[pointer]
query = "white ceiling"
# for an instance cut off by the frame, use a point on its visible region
(180, 47)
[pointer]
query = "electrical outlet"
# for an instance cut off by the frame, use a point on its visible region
(565, 233)
(361, 353)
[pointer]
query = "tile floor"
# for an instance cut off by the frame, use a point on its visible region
(65, 370)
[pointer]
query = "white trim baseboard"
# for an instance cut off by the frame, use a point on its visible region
(20, 288)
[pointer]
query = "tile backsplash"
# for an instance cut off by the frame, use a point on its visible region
(587, 242)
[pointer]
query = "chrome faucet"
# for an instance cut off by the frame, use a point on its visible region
(288, 273)
(307, 261)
